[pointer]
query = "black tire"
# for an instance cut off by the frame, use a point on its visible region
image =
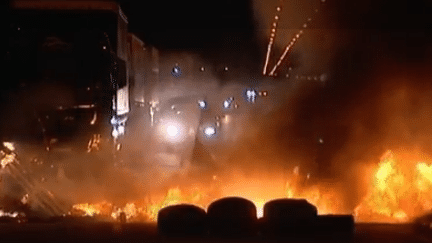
(232, 216)
(181, 220)
(289, 217)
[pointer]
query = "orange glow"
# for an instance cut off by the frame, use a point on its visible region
(88, 209)
(399, 191)
(259, 204)
(256, 190)
(6, 159)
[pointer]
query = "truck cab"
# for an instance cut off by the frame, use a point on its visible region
(68, 63)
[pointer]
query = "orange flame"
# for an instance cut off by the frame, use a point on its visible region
(398, 191)
(252, 189)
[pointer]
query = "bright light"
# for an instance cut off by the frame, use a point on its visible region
(176, 71)
(251, 95)
(172, 130)
(121, 130)
(9, 146)
(202, 104)
(227, 103)
(115, 133)
(209, 131)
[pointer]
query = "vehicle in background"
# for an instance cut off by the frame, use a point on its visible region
(74, 70)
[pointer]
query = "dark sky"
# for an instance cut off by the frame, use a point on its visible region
(195, 23)
(191, 23)
(227, 24)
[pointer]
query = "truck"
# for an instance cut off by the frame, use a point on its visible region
(75, 77)
(84, 92)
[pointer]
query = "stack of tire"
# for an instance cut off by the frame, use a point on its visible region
(232, 217)
(226, 217)
(237, 217)
(182, 220)
(288, 217)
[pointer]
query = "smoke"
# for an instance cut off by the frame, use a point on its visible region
(373, 98)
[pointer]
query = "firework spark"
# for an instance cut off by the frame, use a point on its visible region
(272, 36)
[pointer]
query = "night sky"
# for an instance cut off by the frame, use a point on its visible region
(231, 25)
(201, 24)
(189, 24)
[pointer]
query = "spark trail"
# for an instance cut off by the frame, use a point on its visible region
(291, 44)
(272, 36)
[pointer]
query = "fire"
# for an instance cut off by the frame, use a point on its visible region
(252, 189)
(7, 154)
(398, 192)
(134, 212)
(6, 159)
(130, 210)
(324, 199)
(259, 204)
(91, 209)
(173, 197)
(9, 145)
(8, 214)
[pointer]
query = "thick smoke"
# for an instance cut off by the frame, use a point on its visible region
(375, 95)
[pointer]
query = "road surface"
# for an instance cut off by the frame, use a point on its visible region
(147, 232)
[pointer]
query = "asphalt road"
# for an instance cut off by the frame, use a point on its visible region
(140, 232)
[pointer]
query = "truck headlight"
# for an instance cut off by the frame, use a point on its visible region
(171, 131)
(210, 131)
(202, 104)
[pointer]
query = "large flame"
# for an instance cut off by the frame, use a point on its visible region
(399, 191)
(252, 189)
(136, 212)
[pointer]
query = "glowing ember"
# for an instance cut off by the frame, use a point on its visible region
(323, 198)
(398, 192)
(6, 159)
(130, 210)
(259, 204)
(9, 146)
(254, 190)
(133, 212)
(8, 214)
(174, 196)
(88, 209)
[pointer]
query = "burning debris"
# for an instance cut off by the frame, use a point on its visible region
(36, 199)
(296, 187)
(396, 194)
(136, 211)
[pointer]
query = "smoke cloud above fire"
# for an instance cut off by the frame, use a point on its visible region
(376, 96)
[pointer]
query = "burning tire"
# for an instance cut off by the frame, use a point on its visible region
(181, 220)
(288, 217)
(232, 216)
